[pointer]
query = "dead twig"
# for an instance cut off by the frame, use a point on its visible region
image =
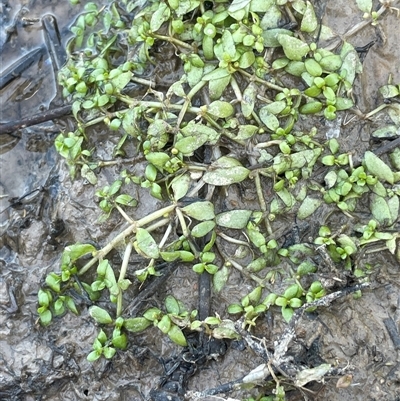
(48, 115)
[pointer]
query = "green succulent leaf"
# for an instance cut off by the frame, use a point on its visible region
(189, 144)
(291, 292)
(100, 315)
(378, 168)
(126, 200)
(311, 108)
(306, 268)
(177, 336)
(308, 207)
(269, 119)
(45, 317)
(200, 210)
(309, 23)
(248, 99)
(122, 80)
(287, 313)
(161, 15)
(237, 219)
(109, 352)
(164, 324)
(220, 109)
(220, 278)
(152, 314)
(364, 5)
(93, 356)
(294, 48)
(270, 36)
(172, 305)
(202, 229)
(145, 244)
(180, 186)
(380, 210)
(185, 256)
(226, 171)
(217, 86)
(53, 280)
(238, 9)
(193, 129)
(75, 251)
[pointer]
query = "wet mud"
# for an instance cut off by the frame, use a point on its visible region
(49, 211)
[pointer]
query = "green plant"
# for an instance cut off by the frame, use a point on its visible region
(227, 120)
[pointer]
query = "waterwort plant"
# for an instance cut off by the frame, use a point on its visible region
(229, 120)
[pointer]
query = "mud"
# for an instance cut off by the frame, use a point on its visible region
(39, 363)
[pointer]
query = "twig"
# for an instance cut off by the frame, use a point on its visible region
(393, 332)
(387, 147)
(133, 308)
(48, 115)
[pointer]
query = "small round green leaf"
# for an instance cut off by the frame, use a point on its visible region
(287, 313)
(180, 185)
(313, 67)
(311, 108)
(189, 144)
(93, 356)
(120, 341)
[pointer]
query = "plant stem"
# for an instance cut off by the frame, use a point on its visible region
(124, 215)
(242, 270)
(233, 240)
(121, 236)
(145, 104)
(122, 273)
(236, 89)
(377, 110)
(185, 107)
(173, 40)
(261, 200)
(143, 81)
(186, 232)
(261, 81)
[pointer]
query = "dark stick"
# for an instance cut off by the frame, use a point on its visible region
(392, 330)
(47, 115)
(134, 307)
(387, 147)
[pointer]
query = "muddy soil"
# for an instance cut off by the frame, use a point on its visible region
(50, 363)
